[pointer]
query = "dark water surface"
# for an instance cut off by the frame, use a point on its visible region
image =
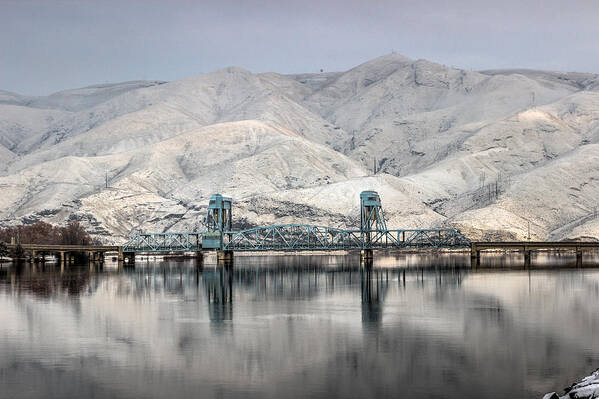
(304, 326)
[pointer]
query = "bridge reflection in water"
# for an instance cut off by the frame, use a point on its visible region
(263, 278)
(308, 326)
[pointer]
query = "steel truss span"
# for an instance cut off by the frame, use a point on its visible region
(373, 234)
(164, 242)
(297, 237)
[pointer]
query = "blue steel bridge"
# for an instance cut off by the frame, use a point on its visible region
(372, 234)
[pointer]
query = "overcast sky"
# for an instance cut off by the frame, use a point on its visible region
(48, 45)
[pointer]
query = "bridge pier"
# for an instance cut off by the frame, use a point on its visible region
(476, 259)
(474, 256)
(366, 258)
(224, 257)
(578, 257)
(526, 257)
(129, 257)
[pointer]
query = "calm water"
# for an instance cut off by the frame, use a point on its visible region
(297, 327)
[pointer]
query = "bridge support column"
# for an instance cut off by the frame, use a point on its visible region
(526, 258)
(224, 257)
(33, 258)
(129, 257)
(578, 257)
(199, 259)
(61, 260)
(474, 256)
(366, 257)
(121, 258)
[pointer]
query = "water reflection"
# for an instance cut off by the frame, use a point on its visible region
(375, 284)
(218, 286)
(295, 327)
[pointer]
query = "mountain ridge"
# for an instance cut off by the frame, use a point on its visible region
(451, 147)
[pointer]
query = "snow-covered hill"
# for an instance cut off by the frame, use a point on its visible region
(488, 152)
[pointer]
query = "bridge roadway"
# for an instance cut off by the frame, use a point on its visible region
(66, 252)
(529, 246)
(372, 234)
(96, 252)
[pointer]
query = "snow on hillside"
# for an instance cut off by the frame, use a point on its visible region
(487, 151)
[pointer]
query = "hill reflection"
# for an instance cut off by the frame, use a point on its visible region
(321, 327)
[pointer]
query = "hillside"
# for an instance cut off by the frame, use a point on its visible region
(488, 152)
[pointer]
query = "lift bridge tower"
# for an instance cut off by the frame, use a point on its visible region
(218, 222)
(372, 220)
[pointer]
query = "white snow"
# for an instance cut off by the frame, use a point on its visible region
(588, 387)
(488, 152)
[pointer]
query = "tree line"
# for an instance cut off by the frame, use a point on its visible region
(45, 233)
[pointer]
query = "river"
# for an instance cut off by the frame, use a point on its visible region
(299, 326)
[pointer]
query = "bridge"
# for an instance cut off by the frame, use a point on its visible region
(527, 247)
(372, 234)
(66, 253)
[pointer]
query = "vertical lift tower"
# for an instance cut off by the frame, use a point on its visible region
(218, 223)
(372, 221)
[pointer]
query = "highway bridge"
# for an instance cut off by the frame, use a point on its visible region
(372, 234)
(65, 253)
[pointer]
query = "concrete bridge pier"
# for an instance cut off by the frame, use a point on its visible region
(366, 257)
(129, 258)
(224, 257)
(474, 256)
(578, 257)
(199, 259)
(526, 257)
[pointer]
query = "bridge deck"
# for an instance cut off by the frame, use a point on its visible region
(533, 245)
(67, 248)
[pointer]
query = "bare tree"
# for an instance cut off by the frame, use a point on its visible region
(74, 234)
(3, 250)
(44, 233)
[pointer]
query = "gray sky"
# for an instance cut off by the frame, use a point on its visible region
(48, 45)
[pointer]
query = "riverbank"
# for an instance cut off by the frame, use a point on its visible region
(587, 388)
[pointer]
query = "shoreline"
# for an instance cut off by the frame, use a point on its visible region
(586, 388)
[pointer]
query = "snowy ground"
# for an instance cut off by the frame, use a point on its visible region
(488, 152)
(587, 388)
